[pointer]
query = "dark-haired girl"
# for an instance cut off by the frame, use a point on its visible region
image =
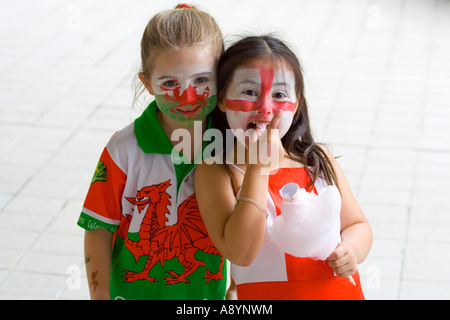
(261, 93)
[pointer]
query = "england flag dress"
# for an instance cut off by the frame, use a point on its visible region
(274, 274)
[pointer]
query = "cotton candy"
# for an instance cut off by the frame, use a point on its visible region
(262, 127)
(309, 224)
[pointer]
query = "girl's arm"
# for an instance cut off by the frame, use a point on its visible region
(356, 233)
(237, 231)
(97, 251)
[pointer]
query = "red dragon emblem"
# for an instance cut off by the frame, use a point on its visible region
(189, 96)
(161, 243)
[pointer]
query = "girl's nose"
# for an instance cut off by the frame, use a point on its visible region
(190, 95)
(265, 105)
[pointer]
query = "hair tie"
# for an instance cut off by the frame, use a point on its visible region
(183, 5)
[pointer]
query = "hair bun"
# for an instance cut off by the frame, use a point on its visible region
(183, 5)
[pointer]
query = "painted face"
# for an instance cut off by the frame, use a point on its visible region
(184, 84)
(255, 94)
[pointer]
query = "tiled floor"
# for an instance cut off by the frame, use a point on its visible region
(377, 82)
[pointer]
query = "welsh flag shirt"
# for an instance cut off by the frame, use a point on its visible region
(161, 249)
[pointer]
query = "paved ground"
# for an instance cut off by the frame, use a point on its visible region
(377, 80)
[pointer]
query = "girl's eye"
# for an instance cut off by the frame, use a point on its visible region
(170, 84)
(201, 80)
(279, 95)
(250, 92)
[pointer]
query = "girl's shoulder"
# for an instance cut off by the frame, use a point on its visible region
(288, 162)
(123, 145)
(123, 138)
(209, 169)
(217, 175)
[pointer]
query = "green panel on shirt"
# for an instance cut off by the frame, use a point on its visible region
(152, 139)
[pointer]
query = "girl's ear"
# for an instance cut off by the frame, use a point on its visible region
(145, 82)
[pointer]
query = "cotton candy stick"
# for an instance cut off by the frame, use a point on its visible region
(350, 278)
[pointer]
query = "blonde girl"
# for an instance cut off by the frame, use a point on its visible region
(144, 237)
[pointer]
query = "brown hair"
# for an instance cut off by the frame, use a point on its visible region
(298, 141)
(172, 29)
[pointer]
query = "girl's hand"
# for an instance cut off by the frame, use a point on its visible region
(269, 148)
(343, 260)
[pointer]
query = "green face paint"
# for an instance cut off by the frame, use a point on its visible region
(187, 107)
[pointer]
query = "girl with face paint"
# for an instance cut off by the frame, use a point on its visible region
(261, 100)
(183, 83)
(257, 91)
(144, 237)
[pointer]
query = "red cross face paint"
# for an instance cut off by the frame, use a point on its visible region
(184, 84)
(256, 93)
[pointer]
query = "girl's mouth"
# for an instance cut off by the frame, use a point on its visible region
(259, 126)
(188, 111)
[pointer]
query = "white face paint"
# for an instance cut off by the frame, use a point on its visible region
(256, 93)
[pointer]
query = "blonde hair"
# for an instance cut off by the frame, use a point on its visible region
(172, 29)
